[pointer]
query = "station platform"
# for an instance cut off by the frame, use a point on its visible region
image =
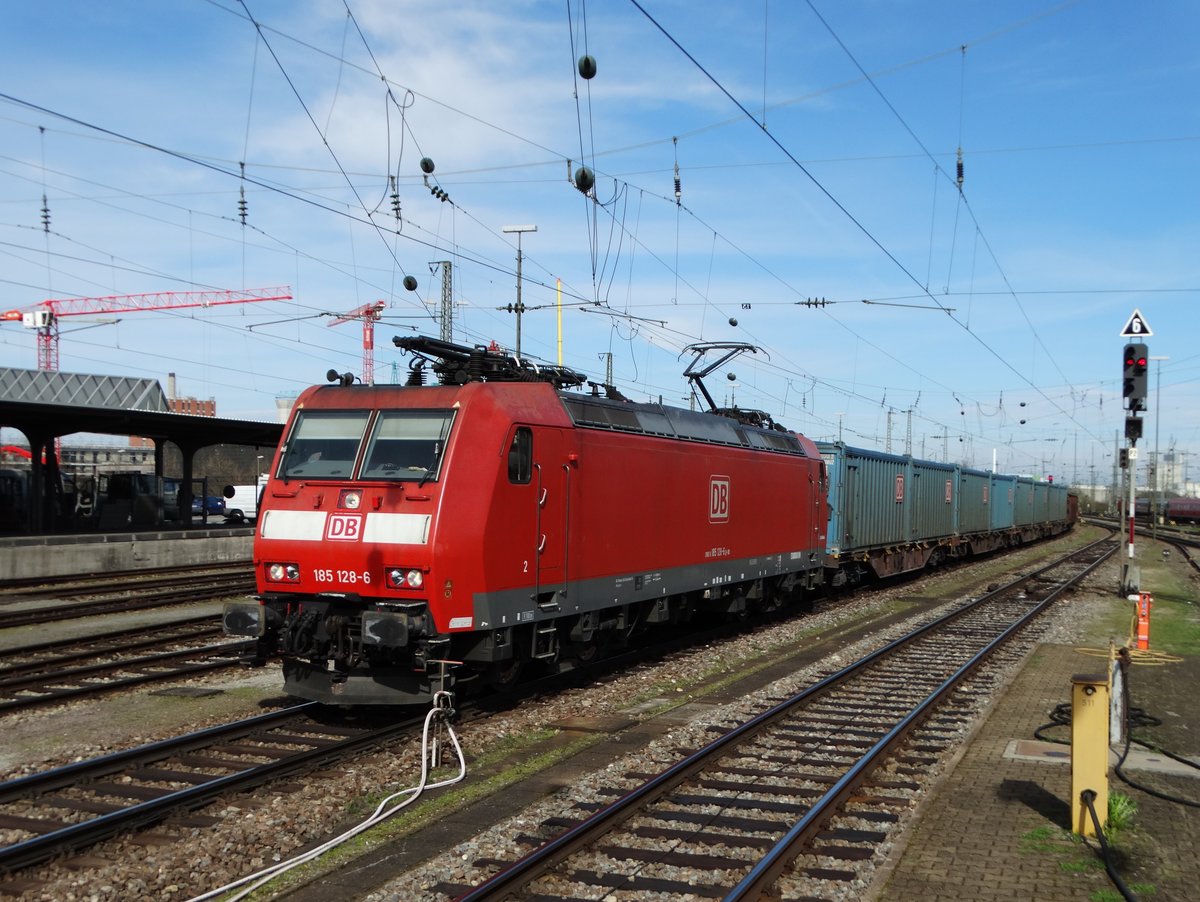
(49, 556)
(998, 828)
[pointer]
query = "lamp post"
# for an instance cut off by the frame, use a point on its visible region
(520, 308)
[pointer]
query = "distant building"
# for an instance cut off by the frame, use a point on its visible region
(192, 406)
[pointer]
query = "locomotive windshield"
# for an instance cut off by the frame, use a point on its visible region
(407, 444)
(324, 443)
(402, 444)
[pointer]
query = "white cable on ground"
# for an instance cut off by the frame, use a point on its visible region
(440, 710)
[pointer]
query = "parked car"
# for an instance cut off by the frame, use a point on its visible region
(208, 506)
(241, 501)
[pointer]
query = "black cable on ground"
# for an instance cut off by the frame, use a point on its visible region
(1060, 716)
(1088, 796)
(1151, 721)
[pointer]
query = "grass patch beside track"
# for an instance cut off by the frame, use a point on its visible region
(1175, 614)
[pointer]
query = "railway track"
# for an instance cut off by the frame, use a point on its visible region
(70, 808)
(54, 672)
(104, 594)
(795, 802)
(76, 584)
(42, 820)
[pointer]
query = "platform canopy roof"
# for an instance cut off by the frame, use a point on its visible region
(79, 389)
(56, 404)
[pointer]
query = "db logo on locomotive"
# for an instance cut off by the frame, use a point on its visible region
(718, 499)
(344, 527)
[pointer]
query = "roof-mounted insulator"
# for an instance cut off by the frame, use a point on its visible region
(242, 207)
(678, 186)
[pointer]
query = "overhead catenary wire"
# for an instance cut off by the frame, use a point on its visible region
(324, 140)
(679, 300)
(840, 206)
(962, 196)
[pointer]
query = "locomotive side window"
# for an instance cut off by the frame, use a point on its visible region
(324, 443)
(407, 444)
(520, 456)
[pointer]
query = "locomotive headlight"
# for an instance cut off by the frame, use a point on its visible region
(399, 578)
(350, 498)
(283, 573)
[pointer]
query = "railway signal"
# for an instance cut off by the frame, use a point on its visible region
(1134, 363)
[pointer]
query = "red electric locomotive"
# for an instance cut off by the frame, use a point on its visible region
(416, 536)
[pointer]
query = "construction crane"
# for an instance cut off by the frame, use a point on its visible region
(369, 314)
(44, 316)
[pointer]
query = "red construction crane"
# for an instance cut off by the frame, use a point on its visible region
(369, 314)
(44, 316)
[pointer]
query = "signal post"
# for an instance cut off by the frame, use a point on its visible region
(1134, 362)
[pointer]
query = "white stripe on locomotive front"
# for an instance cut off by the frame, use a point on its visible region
(382, 529)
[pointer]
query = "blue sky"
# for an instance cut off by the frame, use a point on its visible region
(816, 145)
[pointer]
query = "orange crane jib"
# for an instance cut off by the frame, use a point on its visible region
(130, 303)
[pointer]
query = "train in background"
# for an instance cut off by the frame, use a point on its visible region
(1170, 510)
(415, 537)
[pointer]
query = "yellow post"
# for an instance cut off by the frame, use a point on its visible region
(1089, 750)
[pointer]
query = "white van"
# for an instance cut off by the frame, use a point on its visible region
(241, 501)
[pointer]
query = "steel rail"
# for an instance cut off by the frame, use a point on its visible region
(92, 583)
(94, 643)
(71, 774)
(221, 656)
(219, 587)
(542, 859)
(772, 865)
(76, 836)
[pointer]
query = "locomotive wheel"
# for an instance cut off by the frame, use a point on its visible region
(585, 652)
(503, 675)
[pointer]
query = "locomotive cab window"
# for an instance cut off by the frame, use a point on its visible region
(324, 443)
(520, 456)
(407, 444)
